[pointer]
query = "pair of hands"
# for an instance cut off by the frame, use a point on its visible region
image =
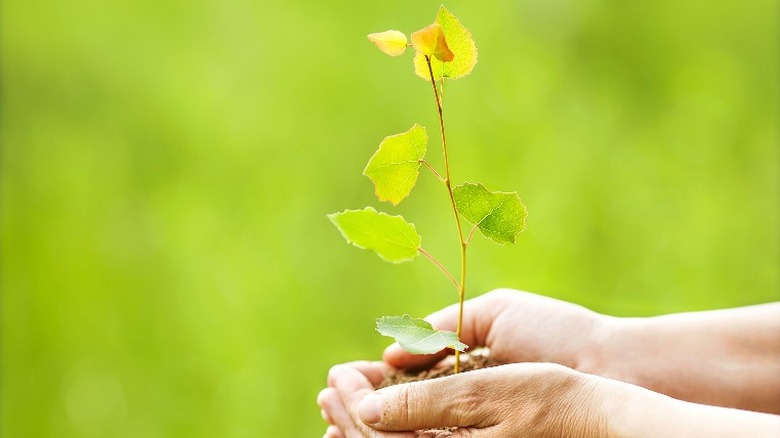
(571, 372)
(517, 328)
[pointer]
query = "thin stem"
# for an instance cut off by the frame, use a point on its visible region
(448, 183)
(428, 165)
(461, 299)
(471, 233)
(441, 87)
(443, 135)
(440, 266)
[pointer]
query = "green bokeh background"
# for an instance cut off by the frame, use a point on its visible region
(167, 266)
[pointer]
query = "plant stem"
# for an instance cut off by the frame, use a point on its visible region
(428, 165)
(471, 233)
(448, 183)
(440, 266)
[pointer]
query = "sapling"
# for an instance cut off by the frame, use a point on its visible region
(444, 50)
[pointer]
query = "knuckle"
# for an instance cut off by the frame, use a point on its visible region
(403, 406)
(472, 399)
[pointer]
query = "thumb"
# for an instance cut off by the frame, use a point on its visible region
(454, 401)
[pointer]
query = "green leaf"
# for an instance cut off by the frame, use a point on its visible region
(395, 165)
(461, 44)
(499, 215)
(417, 336)
(394, 239)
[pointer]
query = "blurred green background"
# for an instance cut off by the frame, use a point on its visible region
(167, 266)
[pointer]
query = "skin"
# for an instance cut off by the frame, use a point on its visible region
(576, 373)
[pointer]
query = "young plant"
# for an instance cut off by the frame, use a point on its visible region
(444, 50)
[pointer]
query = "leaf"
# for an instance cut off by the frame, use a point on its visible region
(394, 167)
(392, 42)
(394, 239)
(417, 336)
(499, 215)
(461, 44)
(431, 42)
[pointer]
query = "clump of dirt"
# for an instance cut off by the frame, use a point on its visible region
(468, 363)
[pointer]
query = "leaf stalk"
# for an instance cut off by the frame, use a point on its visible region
(432, 169)
(440, 266)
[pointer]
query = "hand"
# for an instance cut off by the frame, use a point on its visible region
(517, 327)
(722, 357)
(529, 399)
(538, 399)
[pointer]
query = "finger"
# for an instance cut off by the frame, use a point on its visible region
(351, 385)
(478, 316)
(320, 402)
(330, 401)
(375, 371)
(454, 401)
(333, 432)
(397, 357)
(326, 416)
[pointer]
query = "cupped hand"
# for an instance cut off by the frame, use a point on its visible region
(530, 399)
(517, 327)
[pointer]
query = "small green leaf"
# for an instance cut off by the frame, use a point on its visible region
(394, 167)
(417, 336)
(461, 44)
(499, 215)
(394, 239)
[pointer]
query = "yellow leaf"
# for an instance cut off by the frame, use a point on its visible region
(430, 41)
(391, 42)
(461, 44)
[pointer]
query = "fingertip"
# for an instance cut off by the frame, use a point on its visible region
(393, 353)
(321, 396)
(326, 397)
(333, 432)
(334, 371)
(348, 380)
(397, 357)
(325, 416)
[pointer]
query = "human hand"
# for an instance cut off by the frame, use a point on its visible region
(528, 399)
(723, 357)
(539, 399)
(517, 327)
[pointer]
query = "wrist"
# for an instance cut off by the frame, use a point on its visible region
(595, 354)
(632, 411)
(620, 349)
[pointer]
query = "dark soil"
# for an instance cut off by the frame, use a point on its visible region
(471, 363)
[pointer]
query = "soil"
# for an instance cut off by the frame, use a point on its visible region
(467, 363)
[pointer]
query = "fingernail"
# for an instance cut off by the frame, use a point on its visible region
(370, 408)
